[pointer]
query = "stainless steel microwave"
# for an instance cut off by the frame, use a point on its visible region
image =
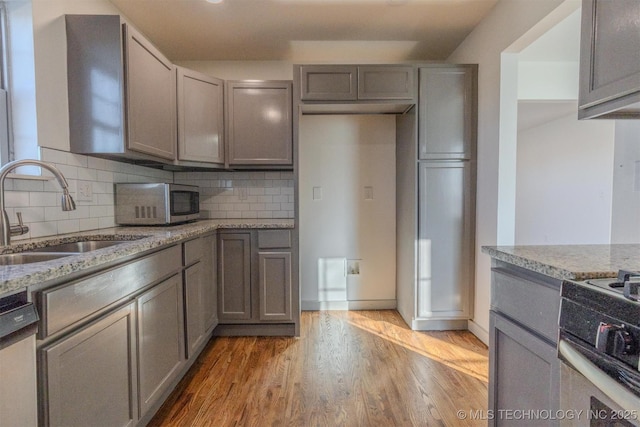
(156, 203)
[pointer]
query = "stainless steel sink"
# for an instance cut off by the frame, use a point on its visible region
(49, 253)
(86, 246)
(30, 257)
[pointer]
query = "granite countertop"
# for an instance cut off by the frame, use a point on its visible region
(14, 278)
(574, 262)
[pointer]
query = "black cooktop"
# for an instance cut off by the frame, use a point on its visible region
(627, 284)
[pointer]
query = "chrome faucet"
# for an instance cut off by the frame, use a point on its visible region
(6, 229)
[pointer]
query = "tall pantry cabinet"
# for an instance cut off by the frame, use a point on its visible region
(436, 200)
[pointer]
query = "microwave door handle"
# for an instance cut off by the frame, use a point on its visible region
(616, 392)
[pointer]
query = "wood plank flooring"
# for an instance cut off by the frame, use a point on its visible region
(348, 368)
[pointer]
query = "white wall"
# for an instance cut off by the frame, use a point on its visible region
(564, 182)
(625, 223)
(506, 23)
(340, 156)
(541, 80)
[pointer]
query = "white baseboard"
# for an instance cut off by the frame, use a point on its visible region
(349, 305)
(439, 324)
(478, 331)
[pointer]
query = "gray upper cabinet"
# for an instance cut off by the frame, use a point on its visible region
(610, 60)
(356, 83)
(200, 117)
(121, 91)
(150, 97)
(447, 118)
(386, 82)
(329, 82)
(259, 123)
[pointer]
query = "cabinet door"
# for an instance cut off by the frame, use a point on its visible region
(609, 56)
(445, 245)
(90, 376)
(200, 117)
(524, 372)
(151, 98)
(275, 285)
(210, 285)
(160, 339)
(259, 125)
(194, 305)
(447, 124)
(386, 82)
(234, 274)
(328, 82)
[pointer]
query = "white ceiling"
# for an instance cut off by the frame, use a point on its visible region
(306, 30)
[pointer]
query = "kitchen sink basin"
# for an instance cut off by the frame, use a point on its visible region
(29, 257)
(75, 247)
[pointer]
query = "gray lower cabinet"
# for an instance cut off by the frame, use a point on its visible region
(200, 283)
(445, 241)
(210, 277)
(160, 340)
(274, 269)
(610, 60)
(447, 119)
(255, 277)
(194, 301)
(113, 344)
(524, 370)
(200, 117)
(234, 274)
(91, 375)
(525, 373)
(259, 123)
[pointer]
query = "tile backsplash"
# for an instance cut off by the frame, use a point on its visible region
(242, 194)
(223, 194)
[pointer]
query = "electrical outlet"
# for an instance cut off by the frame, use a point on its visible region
(84, 191)
(242, 193)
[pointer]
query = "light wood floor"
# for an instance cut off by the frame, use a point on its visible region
(348, 368)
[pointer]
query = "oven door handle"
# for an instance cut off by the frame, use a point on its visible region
(615, 391)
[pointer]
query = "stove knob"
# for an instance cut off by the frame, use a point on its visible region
(623, 343)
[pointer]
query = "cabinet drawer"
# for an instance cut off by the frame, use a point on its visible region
(78, 300)
(534, 304)
(193, 250)
(274, 239)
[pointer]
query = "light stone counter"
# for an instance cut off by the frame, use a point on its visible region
(575, 262)
(14, 278)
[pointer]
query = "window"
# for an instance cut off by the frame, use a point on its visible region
(4, 96)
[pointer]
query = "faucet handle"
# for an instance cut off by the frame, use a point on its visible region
(20, 229)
